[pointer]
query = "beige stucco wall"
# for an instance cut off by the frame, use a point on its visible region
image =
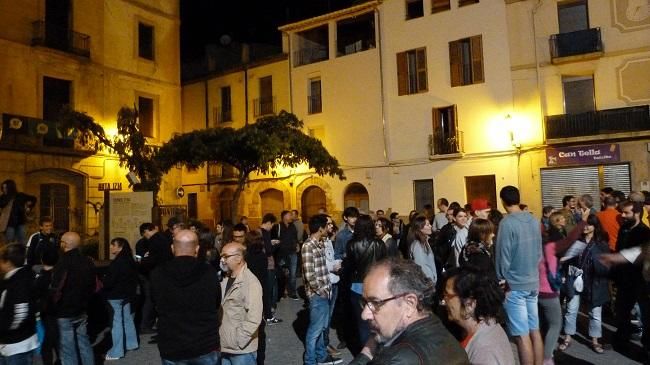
(111, 78)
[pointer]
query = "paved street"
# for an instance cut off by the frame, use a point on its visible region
(285, 348)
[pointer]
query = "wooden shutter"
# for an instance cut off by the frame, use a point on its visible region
(440, 5)
(476, 44)
(421, 64)
(467, 2)
(402, 74)
(455, 64)
(435, 120)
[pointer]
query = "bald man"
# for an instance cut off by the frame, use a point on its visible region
(73, 279)
(241, 311)
(187, 296)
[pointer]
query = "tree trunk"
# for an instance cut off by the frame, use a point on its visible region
(241, 182)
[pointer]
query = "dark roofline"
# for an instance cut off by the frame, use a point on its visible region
(257, 63)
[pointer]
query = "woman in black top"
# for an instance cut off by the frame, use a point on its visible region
(120, 286)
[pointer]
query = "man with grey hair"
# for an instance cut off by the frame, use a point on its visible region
(396, 301)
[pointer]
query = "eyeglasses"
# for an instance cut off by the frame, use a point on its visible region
(375, 305)
(238, 236)
(226, 257)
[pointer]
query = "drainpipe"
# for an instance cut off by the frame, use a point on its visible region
(206, 101)
(537, 69)
(381, 83)
(245, 58)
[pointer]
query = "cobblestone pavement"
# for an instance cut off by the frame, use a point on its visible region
(284, 347)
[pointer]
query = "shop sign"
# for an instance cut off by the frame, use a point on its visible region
(583, 155)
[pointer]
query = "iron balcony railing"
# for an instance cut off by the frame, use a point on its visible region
(315, 104)
(576, 43)
(222, 115)
(53, 36)
(264, 106)
(621, 120)
(441, 144)
(309, 55)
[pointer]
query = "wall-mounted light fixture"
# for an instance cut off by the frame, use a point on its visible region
(511, 128)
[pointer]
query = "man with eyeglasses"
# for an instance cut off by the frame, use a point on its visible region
(397, 300)
(319, 290)
(241, 308)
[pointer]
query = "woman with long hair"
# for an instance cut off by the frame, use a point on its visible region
(120, 286)
(383, 229)
(364, 249)
(419, 249)
(474, 302)
(595, 290)
(478, 250)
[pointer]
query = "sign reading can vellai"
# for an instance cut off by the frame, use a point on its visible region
(583, 155)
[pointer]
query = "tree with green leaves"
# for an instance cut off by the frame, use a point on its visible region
(261, 147)
(129, 144)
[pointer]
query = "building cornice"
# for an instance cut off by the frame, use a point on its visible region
(323, 19)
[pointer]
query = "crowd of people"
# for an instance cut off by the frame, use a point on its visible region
(459, 284)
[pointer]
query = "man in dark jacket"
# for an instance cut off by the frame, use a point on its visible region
(41, 241)
(17, 320)
(397, 297)
(287, 254)
(187, 295)
(73, 282)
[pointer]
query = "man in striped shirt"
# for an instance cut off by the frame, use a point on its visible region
(318, 289)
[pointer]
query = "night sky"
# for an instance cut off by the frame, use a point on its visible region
(206, 21)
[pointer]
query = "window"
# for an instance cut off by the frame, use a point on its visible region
(412, 71)
(315, 98)
(466, 61)
(467, 2)
(145, 41)
(313, 46)
(445, 135)
(578, 94)
(423, 193)
(192, 206)
(572, 16)
(225, 113)
(56, 95)
(440, 5)
(146, 116)
(414, 9)
(265, 105)
(55, 203)
(355, 34)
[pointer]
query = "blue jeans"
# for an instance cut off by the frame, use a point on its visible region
(293, 267)
(239, 359)
(319, 309)
(521, 309)
(72, 334)
(25, 358)
(123, 326)
(595, 318)
(335, 294)
(211, 358)
(17, 234)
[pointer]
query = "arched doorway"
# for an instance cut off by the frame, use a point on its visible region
(225, 205)
(356, 195)
(313, 198)
(272, 202)
(61, 195)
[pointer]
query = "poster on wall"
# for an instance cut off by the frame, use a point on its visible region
(127, 212)
(583, 155)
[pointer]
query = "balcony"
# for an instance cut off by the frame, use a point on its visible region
(263, 106)
(602, 122)
(33, 135)
(222, 115)
(219, 172)
(53, 36)
(309, 55)
(442, 144)
(315, 104)
(584, 43)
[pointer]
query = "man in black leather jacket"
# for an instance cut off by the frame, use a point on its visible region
(397, 298)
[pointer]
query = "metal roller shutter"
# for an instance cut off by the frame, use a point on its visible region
(558, 182)
(617, 177)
